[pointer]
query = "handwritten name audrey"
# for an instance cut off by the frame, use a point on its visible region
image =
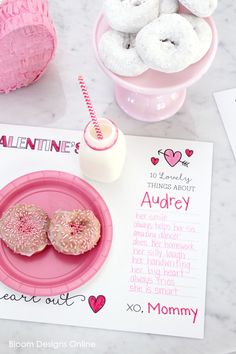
(39, 144)
(166, 202)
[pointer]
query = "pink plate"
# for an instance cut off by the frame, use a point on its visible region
(50, 273)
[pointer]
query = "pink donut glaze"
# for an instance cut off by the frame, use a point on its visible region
(74, 232)
(23, 228)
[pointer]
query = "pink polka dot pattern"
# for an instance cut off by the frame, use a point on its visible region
(27, 42)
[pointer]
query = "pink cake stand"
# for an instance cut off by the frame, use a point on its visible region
(154, 96)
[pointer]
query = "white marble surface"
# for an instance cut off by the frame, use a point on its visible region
(55, 102)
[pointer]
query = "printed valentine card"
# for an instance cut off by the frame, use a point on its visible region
(154, 279)
(226, 103)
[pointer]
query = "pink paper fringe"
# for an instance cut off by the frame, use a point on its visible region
(27, 42)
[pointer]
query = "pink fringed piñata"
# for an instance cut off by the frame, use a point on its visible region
(27, 42)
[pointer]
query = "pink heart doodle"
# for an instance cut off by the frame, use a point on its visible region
(97, 303)
(155, 161)
(188, 152)
(172, 157)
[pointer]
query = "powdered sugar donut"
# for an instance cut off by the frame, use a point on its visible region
(200, 8)
(118, 53)
(24, 229)
(204, 33)
(130, 15)
(74, 232)
(168, 44)
(169, 6)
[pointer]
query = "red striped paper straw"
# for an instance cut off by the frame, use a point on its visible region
(90, 107)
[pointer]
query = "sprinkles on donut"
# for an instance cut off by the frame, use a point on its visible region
(74, 232)
(23, 228)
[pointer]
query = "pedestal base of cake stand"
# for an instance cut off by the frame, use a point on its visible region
(149, 107)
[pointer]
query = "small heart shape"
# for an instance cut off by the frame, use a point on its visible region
(172, 157)
(97, 303)
(155, 161)
(188, 152)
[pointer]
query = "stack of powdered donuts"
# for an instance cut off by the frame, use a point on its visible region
(27, 229)
(151, 34)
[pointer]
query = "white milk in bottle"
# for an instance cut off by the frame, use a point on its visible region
(102, 160)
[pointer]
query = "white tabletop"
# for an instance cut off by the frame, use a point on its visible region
(55, 101)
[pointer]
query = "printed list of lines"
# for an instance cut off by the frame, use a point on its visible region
(165, 254)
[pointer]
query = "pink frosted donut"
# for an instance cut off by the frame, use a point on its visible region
(23, 228)
(74, 232)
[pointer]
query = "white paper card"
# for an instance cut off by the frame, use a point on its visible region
(154, 280)
(226, 103)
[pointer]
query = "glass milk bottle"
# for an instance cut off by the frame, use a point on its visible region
(102, 160)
